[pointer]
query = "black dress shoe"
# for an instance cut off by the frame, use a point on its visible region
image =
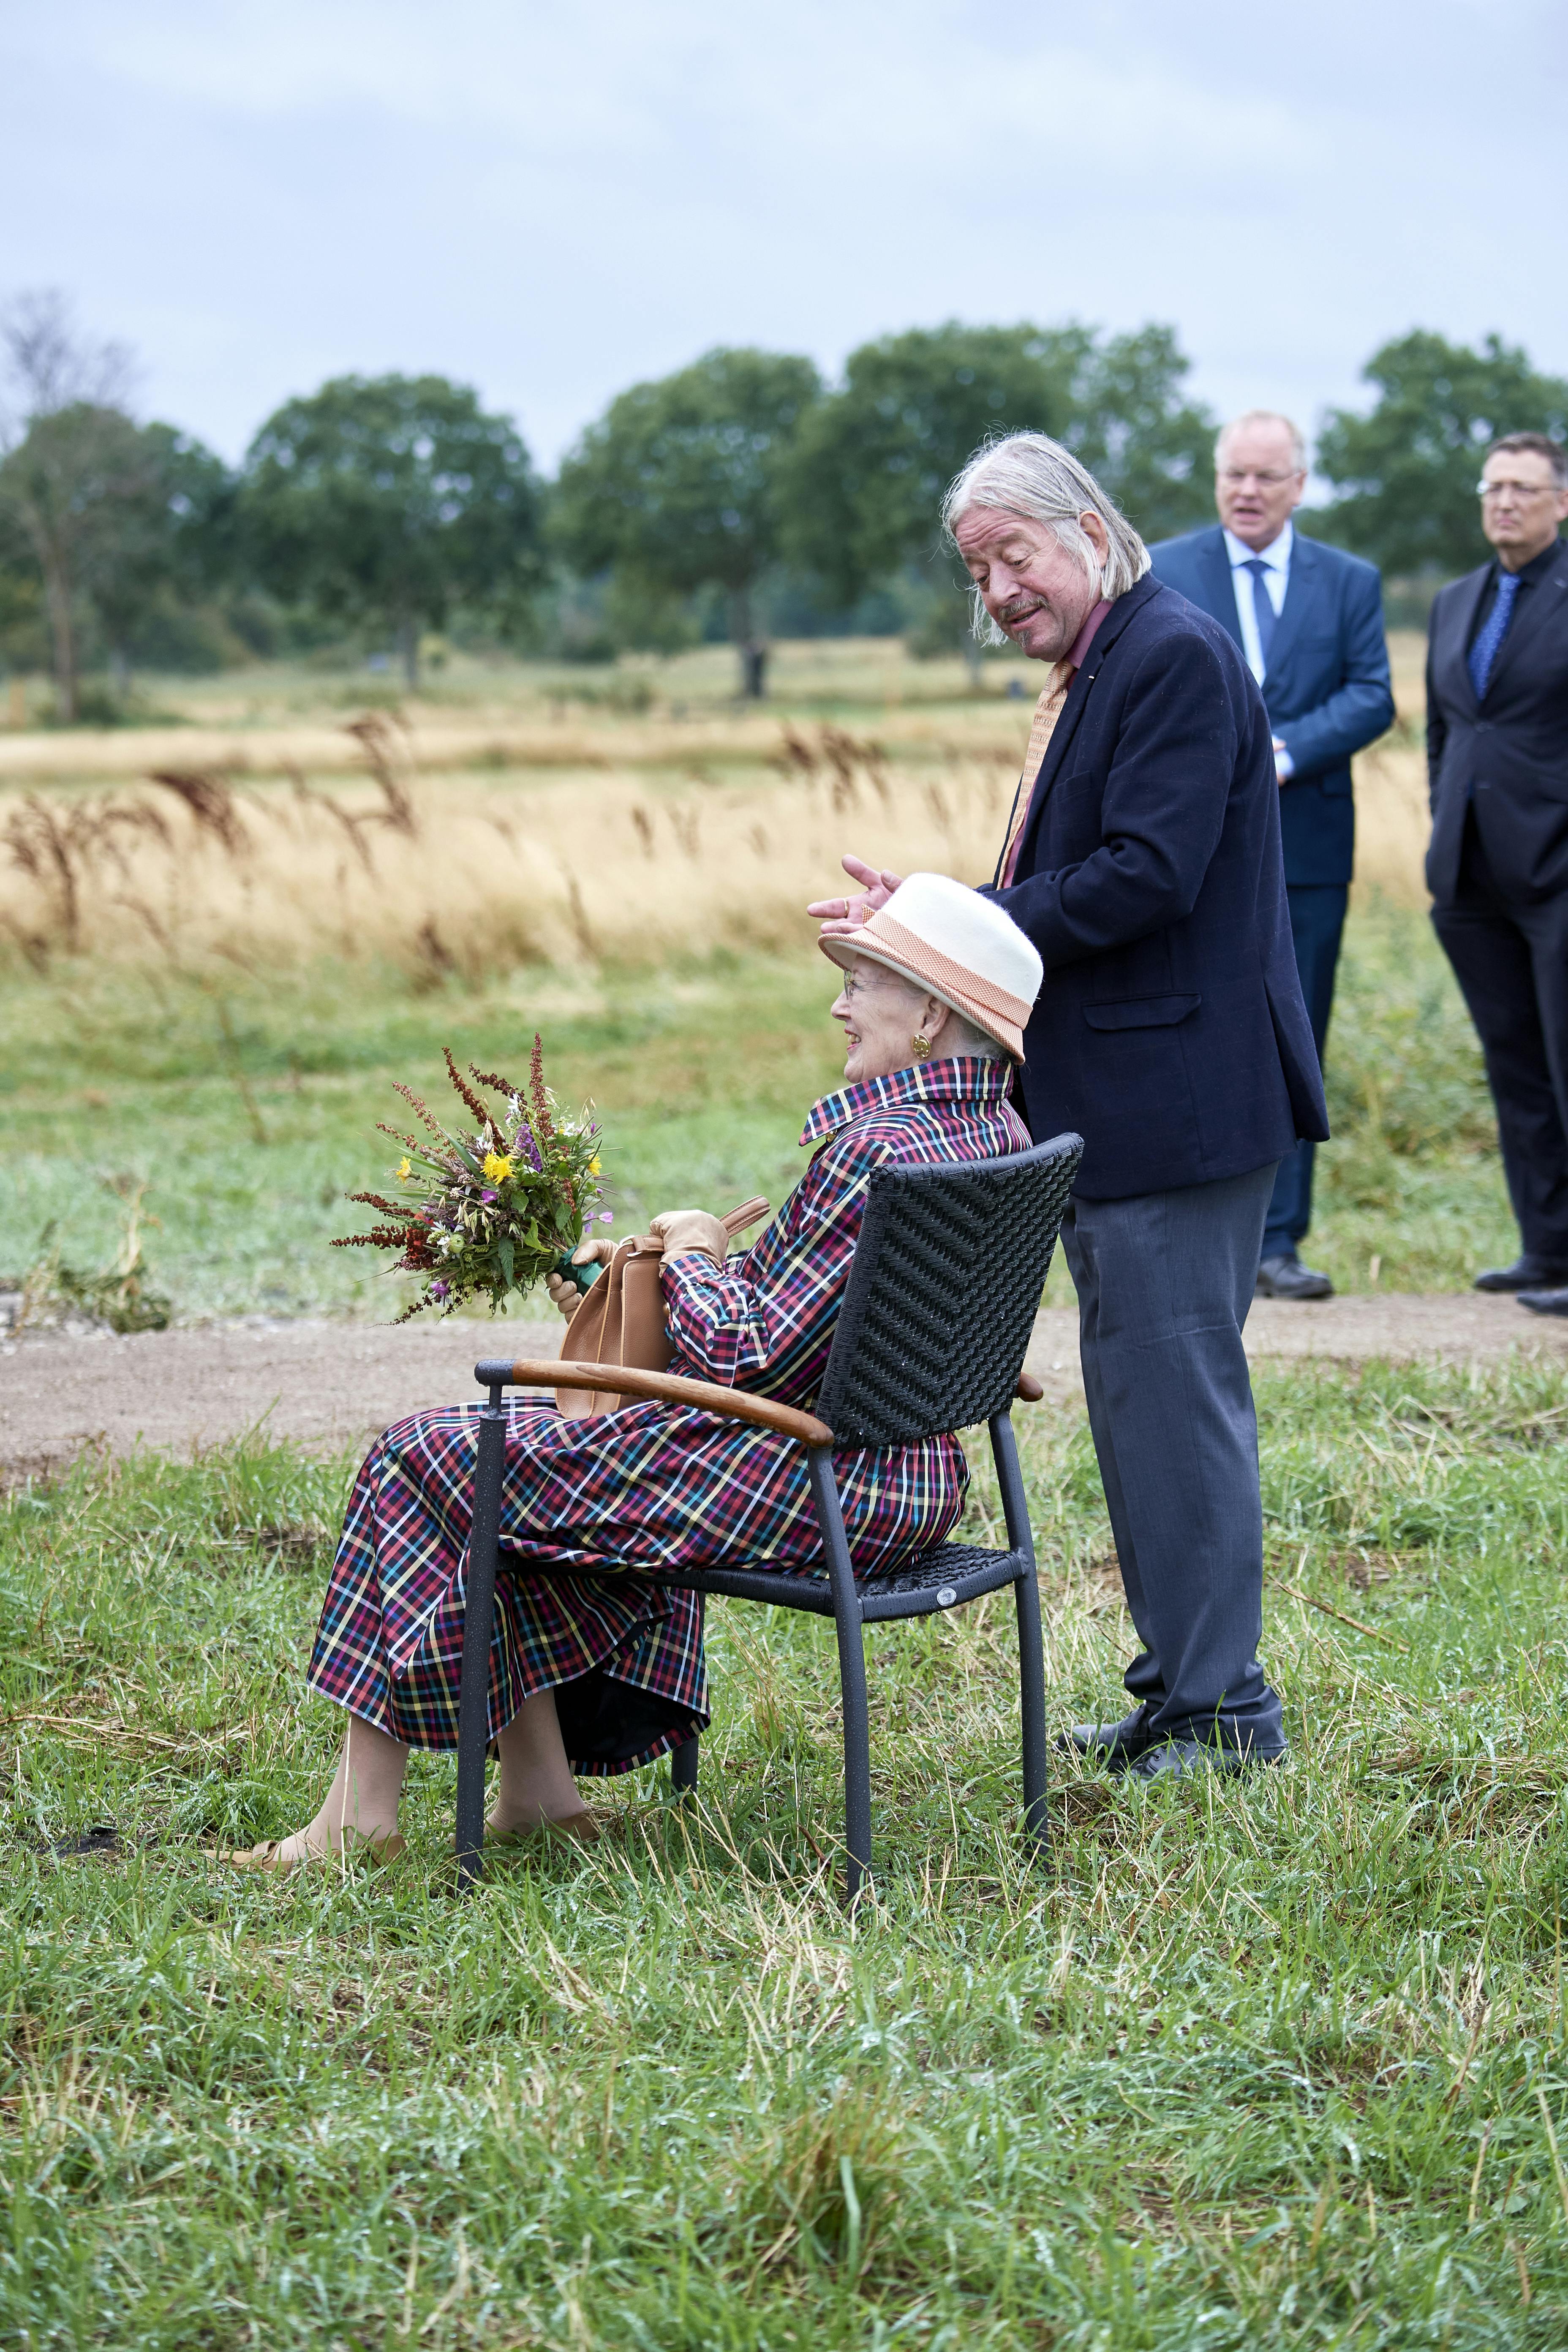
(1111, 1744)
(1177, 1759)
(1526, 1273)
(1285, 1276)
(1545, 1302)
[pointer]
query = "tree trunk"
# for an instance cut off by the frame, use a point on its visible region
(119, 672)
(974, 660)
(408, 646)
(750, 645)
(62, 631)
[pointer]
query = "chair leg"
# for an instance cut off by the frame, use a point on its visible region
(683, 1770)
(850, 1628)
(1032, 1713)
(479, 1625)
(1031, 1648)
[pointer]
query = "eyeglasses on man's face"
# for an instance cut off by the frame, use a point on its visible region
(1523, 491)
(1237, 476)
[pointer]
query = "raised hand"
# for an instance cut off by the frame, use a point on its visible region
(839, 916)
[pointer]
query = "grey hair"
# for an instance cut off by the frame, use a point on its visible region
(1264, 416)
(1030, 474)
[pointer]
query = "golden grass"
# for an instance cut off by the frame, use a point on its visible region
(462, 841)
(459, 874)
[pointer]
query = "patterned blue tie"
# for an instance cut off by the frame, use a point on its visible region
(1267, 619)
(1488, 645)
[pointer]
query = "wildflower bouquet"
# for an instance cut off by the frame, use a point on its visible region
(495, 1208)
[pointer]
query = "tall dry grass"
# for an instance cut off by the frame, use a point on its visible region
(449, 874)
(457, 873)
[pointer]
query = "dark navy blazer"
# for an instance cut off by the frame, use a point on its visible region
(1326, 688)
(1170, 1029)
(1511, 752)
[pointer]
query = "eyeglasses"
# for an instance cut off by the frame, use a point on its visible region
(1237, 475)
(1521, 490)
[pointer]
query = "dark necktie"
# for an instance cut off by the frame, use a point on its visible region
(1488, 645)
(1263, 607)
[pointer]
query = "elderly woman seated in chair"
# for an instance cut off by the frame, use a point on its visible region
(595, 1668)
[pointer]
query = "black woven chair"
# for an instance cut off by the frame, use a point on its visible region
(940, 1302)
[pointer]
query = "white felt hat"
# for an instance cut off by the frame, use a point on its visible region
(960, 945)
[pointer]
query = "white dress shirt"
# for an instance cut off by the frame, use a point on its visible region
(1275, 579)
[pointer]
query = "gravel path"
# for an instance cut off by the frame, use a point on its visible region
(333, 1384)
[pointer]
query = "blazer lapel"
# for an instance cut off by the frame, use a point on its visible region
(1450, 658)
(1217, 583)
(1543, 601)
(1072, 710)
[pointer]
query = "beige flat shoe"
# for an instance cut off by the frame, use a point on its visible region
(268, 1856)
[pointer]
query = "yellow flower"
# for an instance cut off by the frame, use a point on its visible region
(497, 1167)
(405, 1168)
(593, 1167)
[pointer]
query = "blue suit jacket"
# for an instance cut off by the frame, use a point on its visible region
(1326, 689)
(1170, 1029)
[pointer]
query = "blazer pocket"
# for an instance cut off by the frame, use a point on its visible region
(1141, 1012)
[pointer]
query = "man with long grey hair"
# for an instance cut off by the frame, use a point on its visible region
(1142, 858)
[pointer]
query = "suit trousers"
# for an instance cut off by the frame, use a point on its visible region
(1317, 926)
(1510, 959)
(1164, 1282)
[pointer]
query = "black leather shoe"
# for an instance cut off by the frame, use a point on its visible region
(1526, 1273)
(1177, 1759)
(1545, 1302)
(1285, 1276)
(1111, 1744)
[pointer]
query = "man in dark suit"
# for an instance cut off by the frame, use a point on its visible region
(1143, 860)
(1309, 621)
(1497, 753)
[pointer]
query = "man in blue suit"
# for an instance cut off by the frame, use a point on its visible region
(1309, 621)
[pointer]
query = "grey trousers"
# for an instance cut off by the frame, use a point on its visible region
(1164, 1283)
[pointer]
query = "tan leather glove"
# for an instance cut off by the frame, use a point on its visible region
(683, 1231)
(564, 1295)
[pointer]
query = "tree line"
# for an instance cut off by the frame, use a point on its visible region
(740, 496)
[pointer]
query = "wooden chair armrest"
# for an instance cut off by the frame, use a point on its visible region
(668, 1388)
(1029, 1389)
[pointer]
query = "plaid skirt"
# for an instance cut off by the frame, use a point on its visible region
(586, 1506)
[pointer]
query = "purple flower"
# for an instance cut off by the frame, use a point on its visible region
(487, 1198)
(606, 1216)
(437, 1290)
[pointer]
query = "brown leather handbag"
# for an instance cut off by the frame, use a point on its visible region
(621, 1319)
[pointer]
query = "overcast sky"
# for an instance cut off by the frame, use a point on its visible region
(553, 202)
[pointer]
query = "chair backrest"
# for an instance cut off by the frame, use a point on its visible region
(942, 1294)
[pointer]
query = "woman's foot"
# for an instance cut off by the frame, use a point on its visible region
(535, 1788)
(280, 1857)
(358, 1814)
(579, 1825)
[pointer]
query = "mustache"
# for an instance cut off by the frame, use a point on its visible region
(1019, 608)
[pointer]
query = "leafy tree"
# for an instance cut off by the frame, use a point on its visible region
(80, 480)
(874, 459)
(175, 542)
(1407, 472)
(384, 501)
(679, 487)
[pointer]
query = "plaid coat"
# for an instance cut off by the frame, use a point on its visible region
(586, 1504)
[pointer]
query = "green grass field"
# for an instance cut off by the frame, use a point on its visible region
(249, 1106)
(1278, 2062)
